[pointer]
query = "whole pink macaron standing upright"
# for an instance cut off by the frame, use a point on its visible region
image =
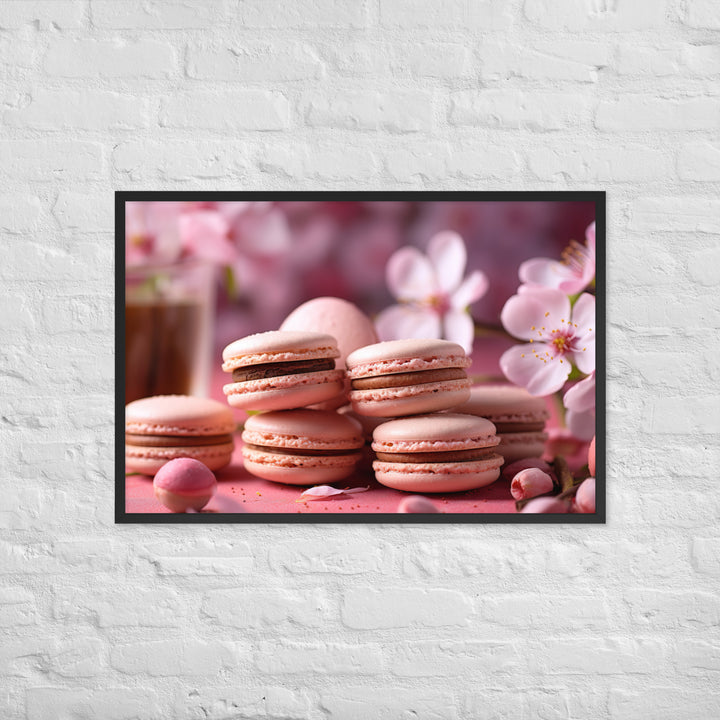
(408, 377)
(165, 427)
(282, 370)
(184, 484)
(351, 328)
(441, 452)
(301, 447)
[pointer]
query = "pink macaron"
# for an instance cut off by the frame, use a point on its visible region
(441, 452)
(351, 328)
(301, 447)
(165, 427)
(281, 370)
(519, 418)
(408, 377)
(183, 484)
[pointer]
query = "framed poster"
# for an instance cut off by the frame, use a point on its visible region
(360, 357)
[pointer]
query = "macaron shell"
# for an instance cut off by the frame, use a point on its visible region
(286, 391)
(520, 446)
(396, 356)
(505, 404)
(178, 415)
(278, 346)
(438, 477)
(298, 469)
(148, 460)
(443, 432)
(411, 399)
(304, 429)
(350, 327)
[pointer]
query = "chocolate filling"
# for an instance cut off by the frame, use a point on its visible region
(176, 440)
(510, 427)
(412, 378)
(433, 457)
(300, 451)
(269, 370)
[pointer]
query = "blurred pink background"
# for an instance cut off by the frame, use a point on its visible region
(284, 253)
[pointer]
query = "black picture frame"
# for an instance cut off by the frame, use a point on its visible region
(592, 196)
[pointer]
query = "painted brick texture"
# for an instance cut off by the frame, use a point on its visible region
(331, 622)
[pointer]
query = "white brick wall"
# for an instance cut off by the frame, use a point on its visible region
(322, 622)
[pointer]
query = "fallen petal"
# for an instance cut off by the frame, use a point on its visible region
(320, 491)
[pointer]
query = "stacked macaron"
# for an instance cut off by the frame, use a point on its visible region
(295, 379)
(422, 449)
(301, 447)
(407, 377)
(442, 452)
(282, 370)
(166, 427)
(518, 416)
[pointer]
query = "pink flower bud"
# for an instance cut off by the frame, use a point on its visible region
(591, 457)
(530, 483)
(416, 504)
(546, 505)
(585, 496)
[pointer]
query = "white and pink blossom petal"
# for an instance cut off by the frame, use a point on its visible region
(399, 322)
(538, 376)
(472, 288)
(590, 238)
(410, 275)
(581, 396)
(545, 272)
(448, 256)
(534, 312)
(584, 356)
(459, 328)
(581, 424)
(583, 314)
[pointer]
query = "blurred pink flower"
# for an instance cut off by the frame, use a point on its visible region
(563, 441)
(585, 496)
(572, 274)
(205, 234)
(530, 483)
(558, 335)
(580, 403)
(433, 295)
(151, 233)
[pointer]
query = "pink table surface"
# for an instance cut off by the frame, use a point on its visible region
(240, 492)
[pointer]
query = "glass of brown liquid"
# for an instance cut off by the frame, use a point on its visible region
(169, 313)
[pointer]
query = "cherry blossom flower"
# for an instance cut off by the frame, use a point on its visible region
(572, 274)
(558, 336)
(433, 295)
